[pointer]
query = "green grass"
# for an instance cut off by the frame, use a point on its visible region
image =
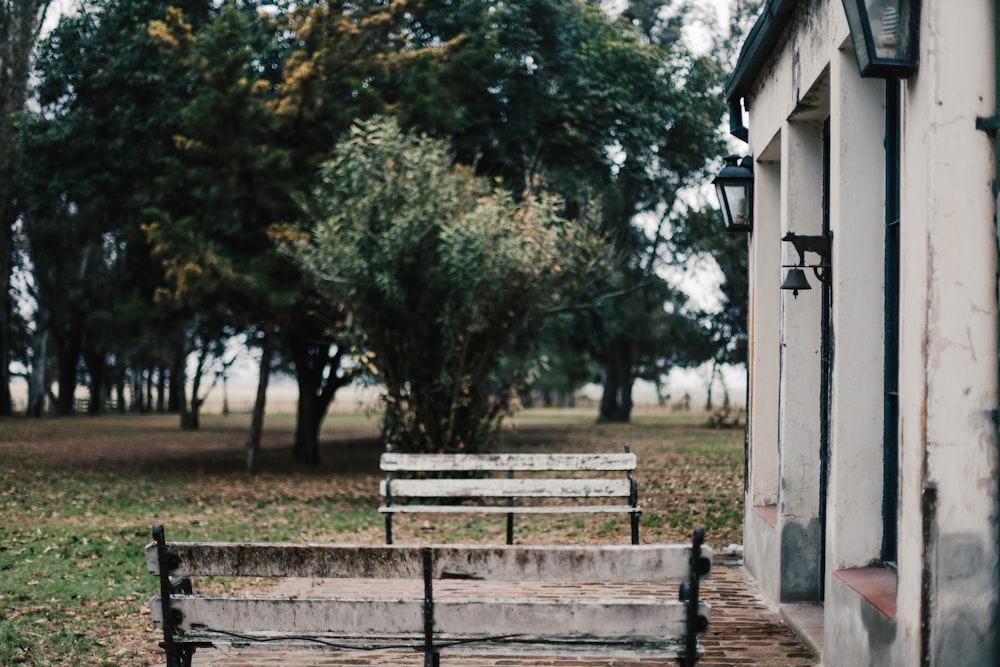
(78, 497)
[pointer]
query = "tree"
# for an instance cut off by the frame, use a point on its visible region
(442, 273)
(211, 237)
(648, 330)
(270, 95)
(559, 95)
(698, 237)
(561, 363)
(108, 114)
(20, 23)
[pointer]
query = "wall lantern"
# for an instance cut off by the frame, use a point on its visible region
(734, 186)
(796, 278)
(885, 36)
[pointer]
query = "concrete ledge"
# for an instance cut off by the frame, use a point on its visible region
(768, 513)
(806, 620)
(877, 585)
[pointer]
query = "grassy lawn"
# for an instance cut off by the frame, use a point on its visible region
(78, 497)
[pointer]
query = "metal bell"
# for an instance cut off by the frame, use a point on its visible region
(795, 281)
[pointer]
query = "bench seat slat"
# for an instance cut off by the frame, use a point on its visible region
(503, 488)
(535, 618)
(505, 509)
(392, 462)
(607, 563)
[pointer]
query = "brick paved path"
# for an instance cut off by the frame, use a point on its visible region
(744, 631)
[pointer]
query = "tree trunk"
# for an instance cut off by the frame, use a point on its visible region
(37, 380)
(21, 22)
(6, 317)
(138, 392)
(67, 358)
(177, 401)
(191, 418)
(257, 420)
(316, 372)
(96, 368)
(308, 420)
(120, 395)
(149, 391)
(191, 421)
(161, 390)
(616, 399)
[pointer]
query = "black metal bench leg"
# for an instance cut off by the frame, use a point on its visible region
(180, 658)
(691, 594)
(388, 528)
(635, 528)
(431, 656)
(177, 656)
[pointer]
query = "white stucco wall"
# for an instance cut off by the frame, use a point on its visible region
(948, 530)
(857, 200)
(949, 332)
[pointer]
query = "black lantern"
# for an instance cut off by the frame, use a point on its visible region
(885, 36)
(734, 186)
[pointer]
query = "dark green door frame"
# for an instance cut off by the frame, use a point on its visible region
(826, 367)
(890, 436)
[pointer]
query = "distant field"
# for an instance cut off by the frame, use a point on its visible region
(78, 497)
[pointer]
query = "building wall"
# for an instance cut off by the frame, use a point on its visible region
(946, 602)
(948, 451)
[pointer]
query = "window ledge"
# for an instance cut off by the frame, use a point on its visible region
(768, 513)
(877, 585)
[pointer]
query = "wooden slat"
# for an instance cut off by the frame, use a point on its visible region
(504, 509)
(534, 618)
(503, 488)
(391, 462)
(608, 563)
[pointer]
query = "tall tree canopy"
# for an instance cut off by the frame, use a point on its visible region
(555, 94)
(20, 23)
(443, 273)
(108, 109)
(270, 94)
(171, 141)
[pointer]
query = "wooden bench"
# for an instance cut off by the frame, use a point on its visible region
(459, 620)
(445, 482)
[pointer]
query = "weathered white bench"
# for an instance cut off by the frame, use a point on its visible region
(443, 483)
(609, 625)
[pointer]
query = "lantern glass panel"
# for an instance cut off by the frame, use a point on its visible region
(890, 20)
(736, 197)
(884, 33)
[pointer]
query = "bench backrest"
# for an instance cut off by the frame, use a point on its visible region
(437, 477)
(392, 461)
(492, 487)
(527, 487)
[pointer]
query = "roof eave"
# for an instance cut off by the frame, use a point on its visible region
(758, 47)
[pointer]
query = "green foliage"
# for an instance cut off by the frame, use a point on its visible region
(698, 236)
(107, 112)
(443, 273)
(560, 95)
(199, 120)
